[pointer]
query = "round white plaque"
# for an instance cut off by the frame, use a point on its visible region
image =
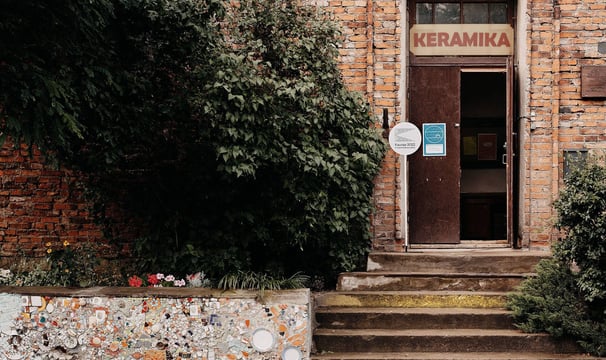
(405, 138)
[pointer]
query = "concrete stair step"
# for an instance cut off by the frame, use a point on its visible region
(392, 281)
(413, 318)
(412, 299)
(450, 356)
(452, 261)
(432, 303)
(436, 340)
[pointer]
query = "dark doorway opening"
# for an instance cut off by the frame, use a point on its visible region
(483, 200)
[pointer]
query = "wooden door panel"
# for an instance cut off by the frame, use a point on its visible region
(434, 185)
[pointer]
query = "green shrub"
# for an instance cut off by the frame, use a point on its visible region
(227, 132)
(277, 178)
(567, 298)
(581, 211)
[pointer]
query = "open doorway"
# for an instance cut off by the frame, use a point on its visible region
(465, 193)
(483, 143)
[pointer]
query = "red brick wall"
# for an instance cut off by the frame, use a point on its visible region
(370, 61)
(563, 36)
(40, 204)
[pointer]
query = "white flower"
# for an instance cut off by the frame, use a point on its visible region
(5, 274)
(195, 280)
(180, 283)
(169, 278)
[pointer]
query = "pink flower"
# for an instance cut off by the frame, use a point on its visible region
(169, 278)
(180, 283)
(152, 279)
(160, 276)
(135, 281)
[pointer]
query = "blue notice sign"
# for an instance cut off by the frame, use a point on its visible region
(434, 139)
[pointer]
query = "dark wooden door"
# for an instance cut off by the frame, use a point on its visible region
(434, 181)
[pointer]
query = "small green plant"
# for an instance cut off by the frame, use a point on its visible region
(249, 280)
(65, 265)
(567, 298)
(71, 266)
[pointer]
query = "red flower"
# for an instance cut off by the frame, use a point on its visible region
(152, 279)
(135, 281)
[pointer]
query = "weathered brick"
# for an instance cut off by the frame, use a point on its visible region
(370, 62)
(36, 200)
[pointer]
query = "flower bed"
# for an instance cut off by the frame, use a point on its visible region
(153, 323)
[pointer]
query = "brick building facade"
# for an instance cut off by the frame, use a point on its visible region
(554, 42)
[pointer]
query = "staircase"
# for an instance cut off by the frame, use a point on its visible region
(431, 304)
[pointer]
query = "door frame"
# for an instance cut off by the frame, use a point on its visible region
(479, 64)
(511, 159)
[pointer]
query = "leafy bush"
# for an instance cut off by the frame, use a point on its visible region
(279, 175)
(582, 215)
(567, 298)
(228, 132)
(90, 82)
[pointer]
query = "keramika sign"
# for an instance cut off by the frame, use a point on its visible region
(461, 39)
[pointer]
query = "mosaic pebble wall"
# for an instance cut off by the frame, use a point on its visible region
(154, 328)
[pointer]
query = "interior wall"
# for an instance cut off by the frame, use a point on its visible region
(483, 109)
(483, 94)
(483, 181)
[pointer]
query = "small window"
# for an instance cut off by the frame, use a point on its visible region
(424, 13)
(574, 158)
(498, 13)
(475, 14)
(460, 12)
(447, 13)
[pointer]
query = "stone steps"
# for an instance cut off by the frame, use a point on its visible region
(451, 261)
(413, 318)
(412, 299)
(449, 356)
(432, 304)
(437, 340)
(393, 281)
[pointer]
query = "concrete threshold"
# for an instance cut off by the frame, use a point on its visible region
(464, 245)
